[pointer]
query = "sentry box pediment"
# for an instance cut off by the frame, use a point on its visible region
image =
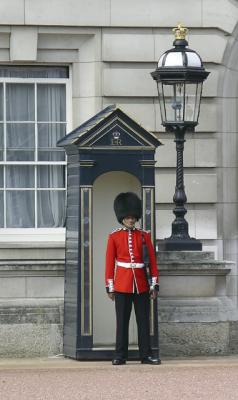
(107, 154)
(110, 129)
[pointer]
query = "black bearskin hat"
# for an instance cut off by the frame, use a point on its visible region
(127, 204)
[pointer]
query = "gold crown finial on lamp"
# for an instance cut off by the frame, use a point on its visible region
(180, 32)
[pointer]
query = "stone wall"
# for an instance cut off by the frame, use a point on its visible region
(111, 50)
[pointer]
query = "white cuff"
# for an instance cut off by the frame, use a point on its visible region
(110, 285)
(154, 282)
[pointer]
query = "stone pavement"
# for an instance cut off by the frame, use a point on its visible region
(176, 379)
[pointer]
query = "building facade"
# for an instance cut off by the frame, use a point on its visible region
(60, 63)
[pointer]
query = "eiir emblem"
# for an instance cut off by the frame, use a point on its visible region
(116, 140)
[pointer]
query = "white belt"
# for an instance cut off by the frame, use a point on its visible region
(129, 265)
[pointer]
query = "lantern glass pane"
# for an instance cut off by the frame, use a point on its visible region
(174, 102)
(198, 100)
(174, 59)
(161, 101)
(192, 101)
(193, 59)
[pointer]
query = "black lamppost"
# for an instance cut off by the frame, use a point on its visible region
(179, 76)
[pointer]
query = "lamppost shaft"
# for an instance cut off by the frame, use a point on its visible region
(180, 225)
(180, 239)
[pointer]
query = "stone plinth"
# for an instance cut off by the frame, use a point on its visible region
(197, 312)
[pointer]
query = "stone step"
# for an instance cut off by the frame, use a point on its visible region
(195, 268)
(18, 268)
(31, 310)
(200, 309)
(185, 255)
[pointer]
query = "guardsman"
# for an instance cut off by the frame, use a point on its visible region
(126, 279)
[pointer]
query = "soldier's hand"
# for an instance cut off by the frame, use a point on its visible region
(154, 294)
(111, 296)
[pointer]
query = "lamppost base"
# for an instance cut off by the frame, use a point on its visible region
(173, 244)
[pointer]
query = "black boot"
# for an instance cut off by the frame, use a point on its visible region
(151, 361)
(118, 361)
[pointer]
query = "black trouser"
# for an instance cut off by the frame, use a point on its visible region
(123, 304)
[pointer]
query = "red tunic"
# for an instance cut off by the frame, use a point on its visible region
(125, 246)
